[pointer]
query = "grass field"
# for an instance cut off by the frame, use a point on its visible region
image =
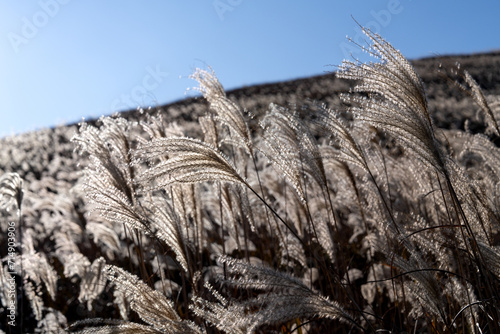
(363, 211)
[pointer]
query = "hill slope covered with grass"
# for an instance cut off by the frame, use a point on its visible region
(353, 201)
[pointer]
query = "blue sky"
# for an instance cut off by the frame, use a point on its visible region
(61, 60)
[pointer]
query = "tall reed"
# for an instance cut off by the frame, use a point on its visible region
(362, 219)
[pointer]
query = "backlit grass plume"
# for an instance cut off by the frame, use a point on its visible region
(186, 160)
(394, 99)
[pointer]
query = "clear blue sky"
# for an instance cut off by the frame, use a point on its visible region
(61, 60)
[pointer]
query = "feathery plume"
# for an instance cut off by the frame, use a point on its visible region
(11, 190)
(189, 161)
(228, 113)
(478, 97)
(396, 101)
(151, 306)
(284, 298)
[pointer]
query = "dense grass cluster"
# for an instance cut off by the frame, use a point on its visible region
(304, 220)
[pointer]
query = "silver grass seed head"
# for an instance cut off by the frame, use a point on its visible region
(11, 190)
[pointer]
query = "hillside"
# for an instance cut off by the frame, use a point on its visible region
(60, 226)
(37, 155)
